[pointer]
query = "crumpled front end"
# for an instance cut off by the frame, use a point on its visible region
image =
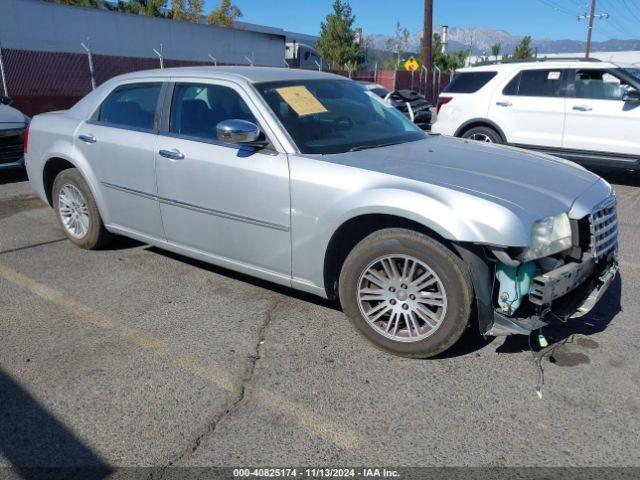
(517, 297)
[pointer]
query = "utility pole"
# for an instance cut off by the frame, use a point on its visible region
(591, 17)
(427, 33)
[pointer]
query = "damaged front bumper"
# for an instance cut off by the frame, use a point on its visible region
(570, 291)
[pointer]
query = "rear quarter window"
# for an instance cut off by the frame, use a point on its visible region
(469, 82)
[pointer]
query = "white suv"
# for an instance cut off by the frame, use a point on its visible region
(586, 111)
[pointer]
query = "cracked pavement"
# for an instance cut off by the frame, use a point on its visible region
(137, 357)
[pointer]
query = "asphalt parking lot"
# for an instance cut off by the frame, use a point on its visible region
(132, 356)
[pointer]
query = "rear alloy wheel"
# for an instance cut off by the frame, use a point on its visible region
(77, 211)
(483, 134)
(406, 293)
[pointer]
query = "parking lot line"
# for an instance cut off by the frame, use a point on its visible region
(315, 424)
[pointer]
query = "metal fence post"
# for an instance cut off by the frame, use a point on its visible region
(159, 54)
(91, 71)
(4, 79)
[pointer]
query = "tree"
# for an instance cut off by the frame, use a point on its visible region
(151, 8)
(224, 15)
(447, 60)
(81, 3)
(337, 42)
(523, 51)
(186, 10)
(399, 43)
(495, 50)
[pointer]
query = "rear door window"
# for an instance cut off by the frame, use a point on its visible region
(469, 82)
(536, 83)
(131, 106)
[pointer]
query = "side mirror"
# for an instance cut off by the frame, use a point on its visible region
(631, 96)
(238, 132)
(5, 100)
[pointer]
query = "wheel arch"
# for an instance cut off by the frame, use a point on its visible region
(52, 168)
(354, 230)
(480, 122)
(58, 163)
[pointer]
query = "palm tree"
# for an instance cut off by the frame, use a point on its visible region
(495, 50)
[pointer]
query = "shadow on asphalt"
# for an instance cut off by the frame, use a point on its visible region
(13, 176)
(470, 341)
(37, 444)
(558, 332)
(289, 292)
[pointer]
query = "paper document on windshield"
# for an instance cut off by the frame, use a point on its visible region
(301, 100)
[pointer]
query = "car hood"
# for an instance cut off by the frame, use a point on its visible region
(517, 178)
(11, 118)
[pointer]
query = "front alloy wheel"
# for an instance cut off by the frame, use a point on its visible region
(406, 293)
(402, 298)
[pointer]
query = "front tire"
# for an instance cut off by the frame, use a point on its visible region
(483, 134)
(77, 211)
(406, 293)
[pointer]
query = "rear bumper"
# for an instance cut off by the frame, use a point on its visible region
(570, 291)
(7, 166)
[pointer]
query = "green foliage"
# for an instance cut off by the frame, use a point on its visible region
(495, 50)
(337, 43)
(81, 3)
(224, 15)
(523, 51)
(186, 10)
(151, 8)
(447, 60)
(398, 44)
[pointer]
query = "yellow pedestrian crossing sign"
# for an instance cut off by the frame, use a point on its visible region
(411, 64)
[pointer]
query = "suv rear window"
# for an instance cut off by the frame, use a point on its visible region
(469, 82)
(536, 83)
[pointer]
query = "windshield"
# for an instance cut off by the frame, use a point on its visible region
(336, 116)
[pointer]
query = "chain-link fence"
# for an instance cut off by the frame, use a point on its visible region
(44, 81)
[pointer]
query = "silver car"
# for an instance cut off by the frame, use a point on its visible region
(307, 180)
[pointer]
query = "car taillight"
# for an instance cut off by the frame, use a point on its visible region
(442, 101)
(26, 139)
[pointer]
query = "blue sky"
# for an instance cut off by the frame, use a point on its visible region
(555, 19)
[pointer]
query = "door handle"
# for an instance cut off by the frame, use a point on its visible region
(503, 104)
(172, 154)
(582, 108)
(88, 138)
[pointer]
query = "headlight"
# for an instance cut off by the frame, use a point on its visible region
(548, 236)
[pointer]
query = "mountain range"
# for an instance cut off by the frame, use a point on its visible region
(481, 39)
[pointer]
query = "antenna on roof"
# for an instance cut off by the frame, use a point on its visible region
(213, 59)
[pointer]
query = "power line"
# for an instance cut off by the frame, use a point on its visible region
(631, 11)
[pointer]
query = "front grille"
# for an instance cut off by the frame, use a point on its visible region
(604, 228)
(11, 146)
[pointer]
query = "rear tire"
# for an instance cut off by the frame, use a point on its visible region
(77, 211)
(406, 293)
(483, 134)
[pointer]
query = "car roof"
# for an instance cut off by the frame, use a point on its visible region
(249, 74)
(547, 64)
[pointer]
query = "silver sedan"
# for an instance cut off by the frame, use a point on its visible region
(309, 181)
